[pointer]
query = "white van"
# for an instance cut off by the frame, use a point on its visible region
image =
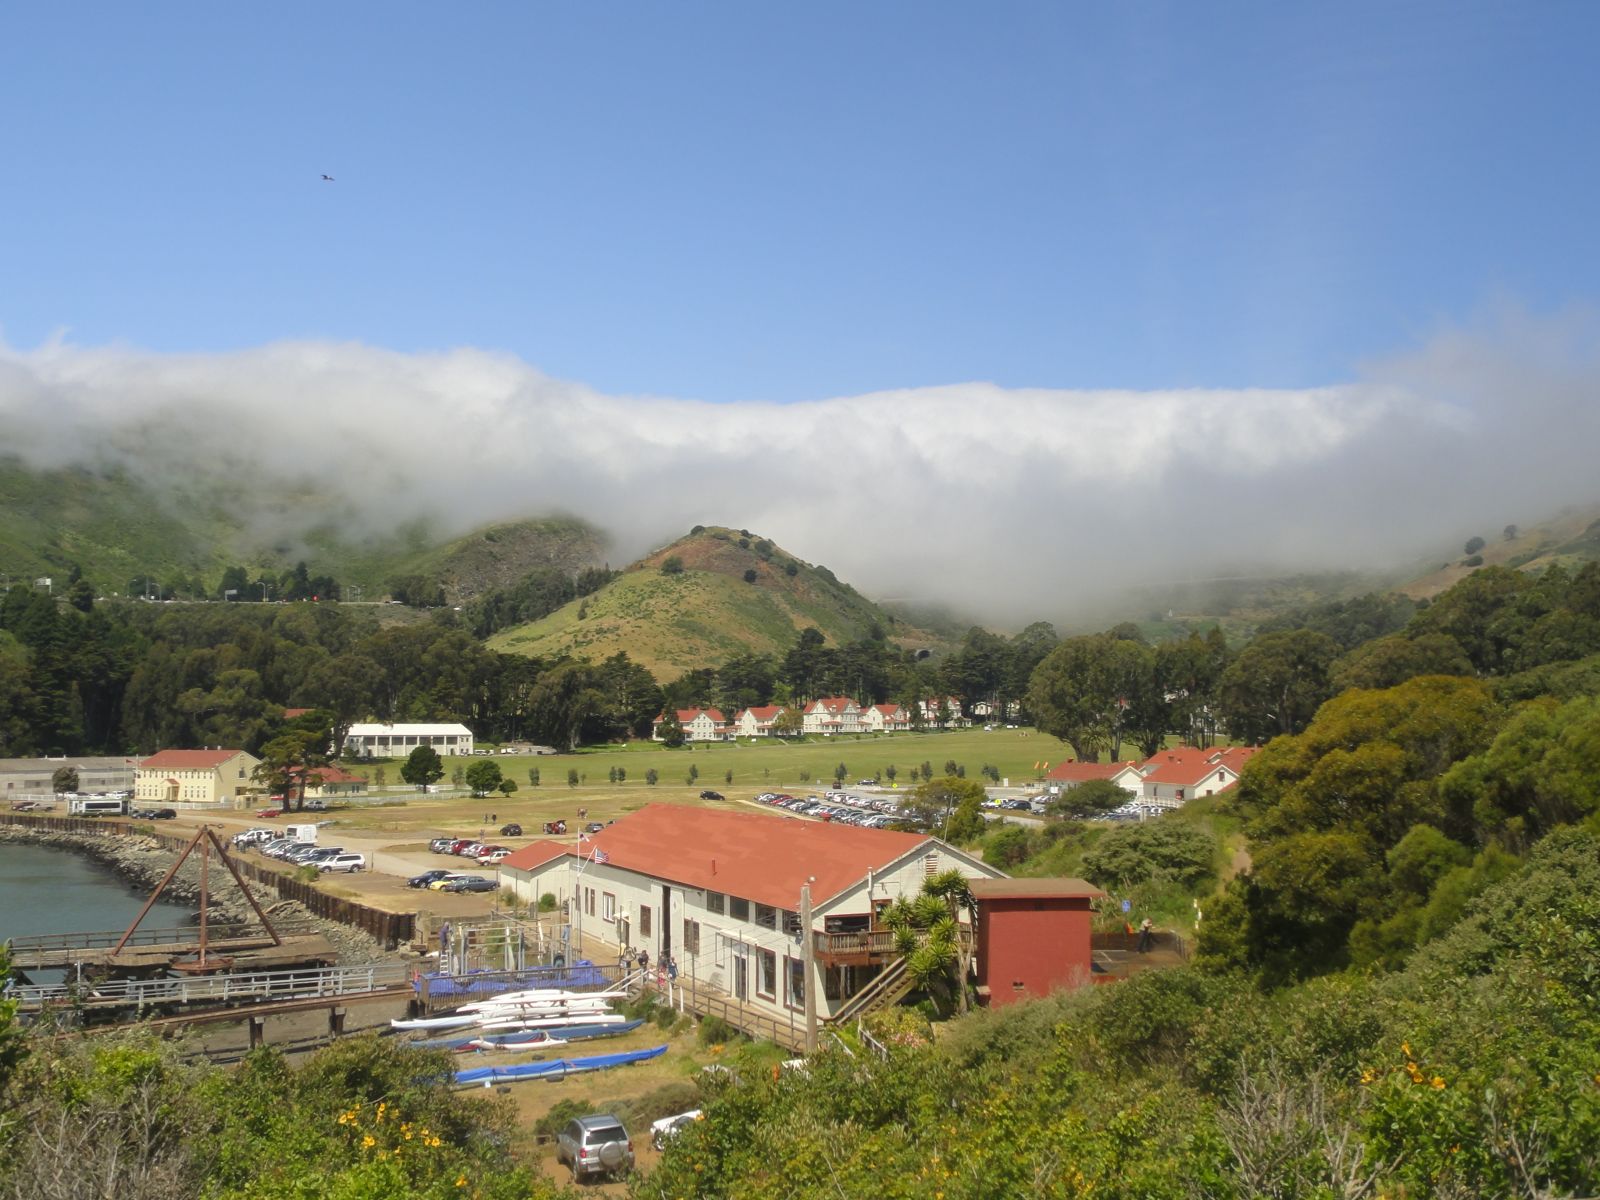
(301, 833)
(97, 806)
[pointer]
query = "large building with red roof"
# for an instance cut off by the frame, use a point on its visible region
(1173, 777)
(212, 777)
(699, 725)
(1067, 775)
(720, 892)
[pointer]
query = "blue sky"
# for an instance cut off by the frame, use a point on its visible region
(741, 202)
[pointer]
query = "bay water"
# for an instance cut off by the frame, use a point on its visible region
(44, 889)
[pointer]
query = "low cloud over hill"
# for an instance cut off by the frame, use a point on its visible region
(1009, 502)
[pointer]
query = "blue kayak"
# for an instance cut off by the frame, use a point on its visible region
(558, 1068)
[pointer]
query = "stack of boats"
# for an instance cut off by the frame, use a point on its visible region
(541, 1017)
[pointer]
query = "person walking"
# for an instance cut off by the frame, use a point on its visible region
(1146, 933)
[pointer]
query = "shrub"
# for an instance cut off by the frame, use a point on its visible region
(651, 776)
(715, 1031)
(548, 902)
(672, 566)
(560, 1113)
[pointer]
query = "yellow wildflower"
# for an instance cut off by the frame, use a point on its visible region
(461, 1181)
(1437, 1081)
(368, 1142)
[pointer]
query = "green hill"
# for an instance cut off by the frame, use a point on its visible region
(113, 525)
(708, 612)
(1572, 537)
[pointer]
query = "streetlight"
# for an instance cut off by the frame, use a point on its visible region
(263, 591)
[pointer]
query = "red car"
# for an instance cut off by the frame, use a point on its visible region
(267, 813)
(460, 844)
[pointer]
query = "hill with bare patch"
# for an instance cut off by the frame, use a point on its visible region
(704, 599)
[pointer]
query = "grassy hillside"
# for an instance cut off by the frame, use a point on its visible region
(1572, 537)
(114, 525)
(110, 524)
(708, 612)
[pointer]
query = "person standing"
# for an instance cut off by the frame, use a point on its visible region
(1146, 933)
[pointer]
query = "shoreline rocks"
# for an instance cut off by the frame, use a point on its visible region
(144, 862)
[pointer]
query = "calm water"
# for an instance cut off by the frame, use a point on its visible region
(46, 890)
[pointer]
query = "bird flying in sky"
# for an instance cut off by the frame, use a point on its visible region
(328, 178)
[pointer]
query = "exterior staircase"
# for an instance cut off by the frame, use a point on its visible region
(889, 987)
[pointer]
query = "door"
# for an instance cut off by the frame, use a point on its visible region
(741, 977)
(666, 924)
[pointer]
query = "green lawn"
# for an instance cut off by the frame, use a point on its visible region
(769, 763)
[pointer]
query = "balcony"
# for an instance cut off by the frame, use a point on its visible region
(864, 947)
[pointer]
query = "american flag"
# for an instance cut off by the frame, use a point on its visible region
(600, 855)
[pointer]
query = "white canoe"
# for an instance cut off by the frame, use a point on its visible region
(508, 1023)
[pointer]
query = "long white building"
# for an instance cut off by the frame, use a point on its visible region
(398, 741)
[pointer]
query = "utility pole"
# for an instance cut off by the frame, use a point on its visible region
(808, 958)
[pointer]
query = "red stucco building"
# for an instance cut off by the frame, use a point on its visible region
(1033, 937)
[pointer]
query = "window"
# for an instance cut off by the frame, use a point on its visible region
(767, 974)
(738, 909)
(791, 923)
(716, 902)
(766, 916)
(691, 936)
(644, 920)
(608, 906)
(795, 994)
(589, 901)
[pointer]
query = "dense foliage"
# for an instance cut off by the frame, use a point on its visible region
(361, 1120)
(1474, 1072)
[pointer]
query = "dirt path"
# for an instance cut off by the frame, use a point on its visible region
(1240, 862)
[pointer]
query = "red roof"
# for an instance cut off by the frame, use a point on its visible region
(764, 712)
(187, 760)
(334, 775)
(887, 710)
(832, 704)
(290, 714)
(1082, 772)
(535, 854)
(685, 715)
(1236, 756)
(759, 857)
(1185, 766)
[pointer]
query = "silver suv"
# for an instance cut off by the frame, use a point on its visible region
(594, 1145)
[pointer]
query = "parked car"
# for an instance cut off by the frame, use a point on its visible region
(492, 857)
(470, 883)
(427, 877)
(594, 1145)
(555, 827)
(441, 845)
(593, 827)
(343, 862)
(164, 814)
(511, 830)
(266, 814)
(664, 1130)
(710, 795)
(438, 884)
